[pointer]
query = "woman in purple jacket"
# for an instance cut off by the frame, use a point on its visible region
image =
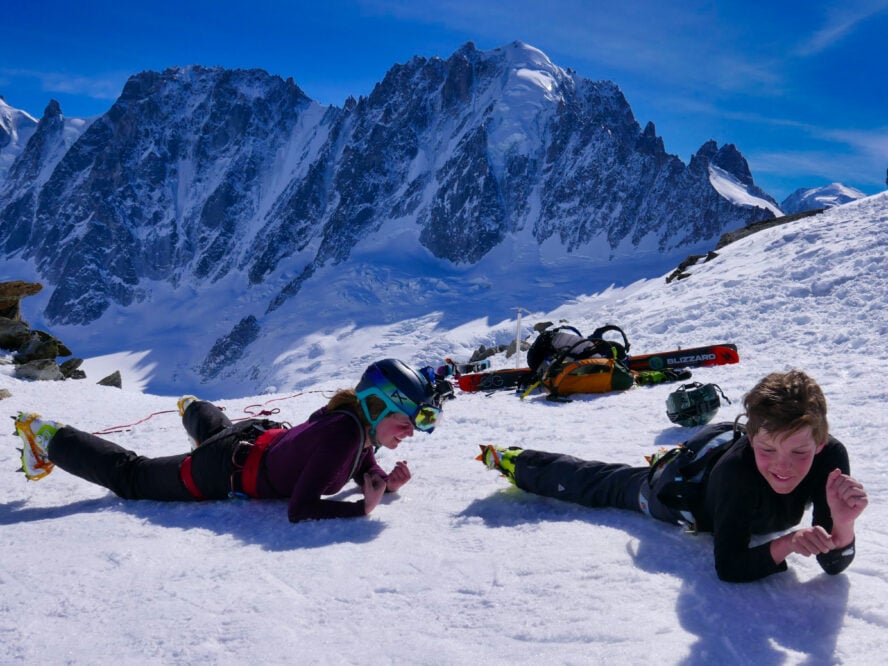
(259, 458)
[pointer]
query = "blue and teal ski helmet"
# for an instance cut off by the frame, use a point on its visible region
(403, 390)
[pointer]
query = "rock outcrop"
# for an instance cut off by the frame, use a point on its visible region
(34, 353)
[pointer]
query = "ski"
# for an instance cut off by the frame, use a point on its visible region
(692, 357)
(465, 368)
(493, 380)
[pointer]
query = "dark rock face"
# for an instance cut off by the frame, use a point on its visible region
(230, 347)
(34, 352)
(11, 294)
(114, 380)
(14, 334)
(40, 370)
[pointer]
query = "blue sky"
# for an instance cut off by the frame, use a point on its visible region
(799, 87)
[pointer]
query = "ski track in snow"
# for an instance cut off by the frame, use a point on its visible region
(460, 567)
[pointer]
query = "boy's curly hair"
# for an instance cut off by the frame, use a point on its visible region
(784, 402)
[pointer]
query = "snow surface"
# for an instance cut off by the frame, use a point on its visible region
(522, 101)
(459, 567)
(736, 192)
(827, 196)
(839, 190)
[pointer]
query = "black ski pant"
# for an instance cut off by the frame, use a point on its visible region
(132, 476)
(592, 483)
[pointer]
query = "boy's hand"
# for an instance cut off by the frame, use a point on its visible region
(805, 541)
(809, 541)
(374, 487)
(398, 476)
(846, 499)
(845, 496)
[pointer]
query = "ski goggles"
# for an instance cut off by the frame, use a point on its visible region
(426, 417)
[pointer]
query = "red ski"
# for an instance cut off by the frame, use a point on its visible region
(692, 357)
(493, 380)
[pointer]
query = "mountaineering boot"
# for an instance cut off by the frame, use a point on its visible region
(35, 433)
(183, 404)
(500, 458)
(489, 456)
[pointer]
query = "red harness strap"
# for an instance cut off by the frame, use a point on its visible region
(250, 472)
(188, 480)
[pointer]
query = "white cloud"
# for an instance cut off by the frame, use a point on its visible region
(828, 165)
(104, 87)
(840, 21)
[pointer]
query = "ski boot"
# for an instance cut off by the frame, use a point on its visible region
(182, 405)
(35, 433)
(501, 459)
(184, 402)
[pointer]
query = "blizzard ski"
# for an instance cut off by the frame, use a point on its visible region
(692, 357)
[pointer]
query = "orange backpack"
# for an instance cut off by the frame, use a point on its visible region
(566, 363)
(591, 375)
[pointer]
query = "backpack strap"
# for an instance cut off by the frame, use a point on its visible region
(598, 334)
(247, 430)
(708, 455)
(555, 365)
(363, 439)
(695, 458)
(253, 464)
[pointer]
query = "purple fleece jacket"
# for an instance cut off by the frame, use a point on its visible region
(316, 458)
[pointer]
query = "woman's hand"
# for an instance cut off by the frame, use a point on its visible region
(398, 476)
(374, 488)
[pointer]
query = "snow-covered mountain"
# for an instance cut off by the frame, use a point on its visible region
(812, 198)
(466, 186)
(16, 127)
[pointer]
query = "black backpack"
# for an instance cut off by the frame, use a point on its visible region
(561, 345)
(693, 460)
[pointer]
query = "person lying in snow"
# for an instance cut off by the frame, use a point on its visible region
(750, 485)
(258, 458)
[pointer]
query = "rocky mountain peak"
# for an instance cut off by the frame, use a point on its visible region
(52, 110)
(729, 158)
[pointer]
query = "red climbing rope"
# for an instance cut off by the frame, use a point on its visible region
(250, 414)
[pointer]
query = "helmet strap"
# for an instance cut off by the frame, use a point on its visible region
(374, 423)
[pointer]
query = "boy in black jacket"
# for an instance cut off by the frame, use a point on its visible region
(750, 486)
